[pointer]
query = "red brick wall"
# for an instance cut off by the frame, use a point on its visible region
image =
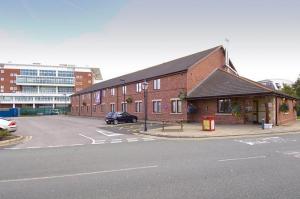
(170, 86)
(209, 108)
(200, 71)
(83, 80)
(291, 115)
(9, 79)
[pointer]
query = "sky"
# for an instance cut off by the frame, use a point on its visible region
(122, 36)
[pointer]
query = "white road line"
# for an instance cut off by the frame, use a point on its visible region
(78, 174)
(109, 134)
(148, 139)
(246, 158)
(93, 140)
(132, 139)
(116, 141)
(43, 147)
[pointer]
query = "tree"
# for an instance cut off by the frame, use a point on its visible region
(289, 90)
(296, 87)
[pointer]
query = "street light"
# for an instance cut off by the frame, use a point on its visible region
(65, 107)
(145, 87)
(123, 89)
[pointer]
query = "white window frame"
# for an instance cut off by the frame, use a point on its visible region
(138, 109)
(112, 92)
(176, 109)
(138, 87)
(124, 89)
(155, 107)
(156, 84)
(112, 107)
(122, 107)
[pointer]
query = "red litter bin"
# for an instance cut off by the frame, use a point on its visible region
(208, 123)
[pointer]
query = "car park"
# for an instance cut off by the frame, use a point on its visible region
(120, 117)
(7, 124)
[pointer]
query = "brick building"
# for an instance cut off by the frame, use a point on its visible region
(204, 83)
(36, 85)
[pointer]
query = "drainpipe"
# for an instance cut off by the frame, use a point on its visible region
(92, 104)
(79, 105)
(276, 107)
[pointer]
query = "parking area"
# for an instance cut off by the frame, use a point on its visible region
(60, 131)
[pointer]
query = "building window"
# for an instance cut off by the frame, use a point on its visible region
(112, 91)
(156, 85)
(48, 73)
(65, 89)
(124, 89)
(139, 87)
(176, 106)
(11, 74)
(138, 106)
(28, 72)
(156, 106)
(2, 71)
(48, 89)
(224, 106)
(89, 81)
(65, 74)
(112, 107)
(2, 79)
(124, 106)
(103, 93)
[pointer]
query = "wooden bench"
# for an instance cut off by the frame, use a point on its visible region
(177, 123)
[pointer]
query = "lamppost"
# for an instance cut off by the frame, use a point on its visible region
(65, 107)
(145, 87)
(123, 89)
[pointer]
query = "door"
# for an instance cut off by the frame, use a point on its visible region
(255, 111)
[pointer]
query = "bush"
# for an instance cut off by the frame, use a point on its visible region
(284, 107)
(4, 133)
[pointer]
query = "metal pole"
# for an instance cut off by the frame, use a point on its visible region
(124, 109)
(65, 104)
(145, 107)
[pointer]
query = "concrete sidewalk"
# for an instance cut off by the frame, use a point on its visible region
(194, 130)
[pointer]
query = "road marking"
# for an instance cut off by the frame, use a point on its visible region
(109, 134)
(246, 158)
(266, 140)
(43, 147)
(148, 139)
(100, 141)
(116, 141)
(132, 139)
(87, 137)
(295, 154)
(78, 174)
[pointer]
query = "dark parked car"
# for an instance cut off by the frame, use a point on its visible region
(120, 117)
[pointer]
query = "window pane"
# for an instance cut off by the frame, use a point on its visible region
(224, 106)
(179, 106)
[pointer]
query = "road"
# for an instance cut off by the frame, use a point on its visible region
(62, 131)
(265, 168)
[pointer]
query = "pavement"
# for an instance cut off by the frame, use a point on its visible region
(247, 168)
(194, 130)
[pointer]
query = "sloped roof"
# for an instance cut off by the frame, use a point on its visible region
(170, 67)
(222, 84)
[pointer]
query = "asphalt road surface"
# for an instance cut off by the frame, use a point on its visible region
(60, 131)
(264, 168)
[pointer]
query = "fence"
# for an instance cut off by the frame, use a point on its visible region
(9, 112)
(43, 111)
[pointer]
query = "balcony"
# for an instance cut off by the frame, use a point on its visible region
(50, 81)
